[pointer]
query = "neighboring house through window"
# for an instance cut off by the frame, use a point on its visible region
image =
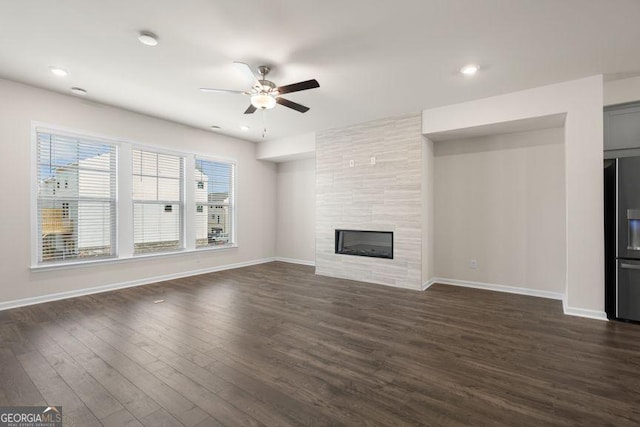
(77, 208)
(215, 222)
(157, 201)
(76, 222)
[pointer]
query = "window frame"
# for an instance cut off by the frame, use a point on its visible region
(234, 211)
(35, 238)
(124, 205)
(181, 205)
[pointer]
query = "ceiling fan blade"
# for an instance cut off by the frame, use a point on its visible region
(296, 87)
(248, 73)
(250, 110)
(293, 105)
(236, 92)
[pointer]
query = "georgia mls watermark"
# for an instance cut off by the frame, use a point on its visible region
(31, 416)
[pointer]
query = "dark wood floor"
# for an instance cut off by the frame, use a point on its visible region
(275, 345)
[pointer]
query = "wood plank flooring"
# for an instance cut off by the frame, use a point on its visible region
(276, 345)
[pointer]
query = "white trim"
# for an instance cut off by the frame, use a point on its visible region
(135, 257)
(581, 312)
(189, 209)
(426, 285)
(123, 244)
(233, 198)
(6, 305)
(34, 243)
(296, 261)
(500, 288)
(570, 311)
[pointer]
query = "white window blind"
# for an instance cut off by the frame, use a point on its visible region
(214, 197)
(157, 201)
(76, 204)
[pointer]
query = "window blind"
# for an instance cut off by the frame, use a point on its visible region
(214, 198)
(157, 201)
(76, 204)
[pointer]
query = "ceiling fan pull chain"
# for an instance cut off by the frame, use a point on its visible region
(264, 123)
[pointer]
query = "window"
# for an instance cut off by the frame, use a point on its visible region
(215, 222)
(76, 222)
(157, 201)
(78, 215)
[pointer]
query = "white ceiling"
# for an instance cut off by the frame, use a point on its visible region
(373, 58)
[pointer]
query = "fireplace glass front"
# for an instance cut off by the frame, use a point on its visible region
(377, 244)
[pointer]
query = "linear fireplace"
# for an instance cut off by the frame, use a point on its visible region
(377, 244)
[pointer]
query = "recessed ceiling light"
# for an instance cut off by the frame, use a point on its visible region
(78, 91)
(148, 38)
(58, 71)
(469, 70)
(215, 127)
(244, 128)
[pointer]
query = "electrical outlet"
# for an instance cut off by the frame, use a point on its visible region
(473, 264)
(373, 160)
(352, 163)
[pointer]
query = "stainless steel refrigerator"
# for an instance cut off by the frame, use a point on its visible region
(622, 238)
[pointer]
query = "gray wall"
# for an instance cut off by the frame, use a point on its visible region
(500, 200)
(21, 104)
(296, 215)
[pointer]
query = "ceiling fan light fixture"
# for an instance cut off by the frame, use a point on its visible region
(263, 101)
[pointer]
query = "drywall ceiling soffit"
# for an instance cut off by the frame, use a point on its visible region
(371, 62)
(524, 125)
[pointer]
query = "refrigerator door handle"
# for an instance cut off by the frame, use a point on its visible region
(630, 266)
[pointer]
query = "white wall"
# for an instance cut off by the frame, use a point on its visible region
(428, 221)
(621, 91)
(21, 104)
(582, 102)
(295, 147)
(296, 211)
(500, 200)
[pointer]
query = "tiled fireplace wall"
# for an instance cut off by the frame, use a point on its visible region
(385, 197)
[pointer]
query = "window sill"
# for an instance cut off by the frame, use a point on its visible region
(106, 261)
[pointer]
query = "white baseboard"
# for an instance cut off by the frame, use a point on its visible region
(427, 284)
(296, 261)
(499, 288)
(581, 312)
(6, 305)
(570, 311)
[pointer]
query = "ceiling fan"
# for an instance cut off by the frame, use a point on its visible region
(264, 93)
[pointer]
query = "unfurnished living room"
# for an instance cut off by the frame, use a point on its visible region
(293, 213)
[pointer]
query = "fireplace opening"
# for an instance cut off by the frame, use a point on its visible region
(377, 244)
